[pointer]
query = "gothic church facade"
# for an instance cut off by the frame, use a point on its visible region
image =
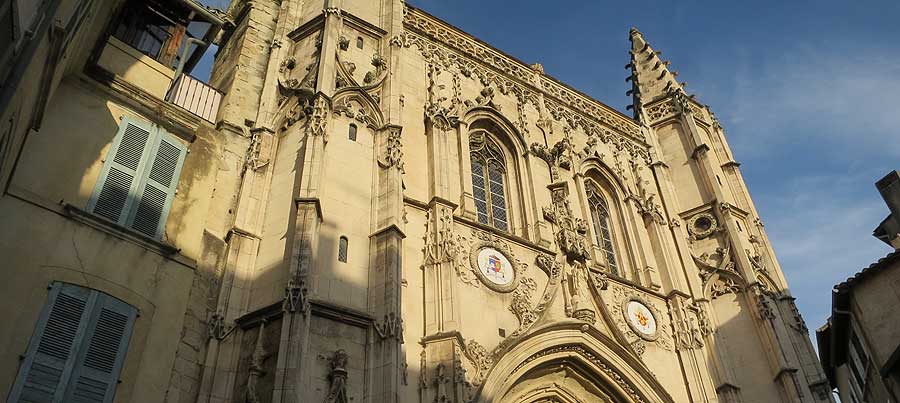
(385, 209)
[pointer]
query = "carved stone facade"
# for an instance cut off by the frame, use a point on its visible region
(395, 211)
(484, 227)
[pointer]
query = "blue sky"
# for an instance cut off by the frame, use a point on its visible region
(807, 92)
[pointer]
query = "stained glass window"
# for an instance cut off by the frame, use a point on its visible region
(488, 186)
(601, 223)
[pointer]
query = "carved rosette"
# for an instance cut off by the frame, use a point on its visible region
(622, 296)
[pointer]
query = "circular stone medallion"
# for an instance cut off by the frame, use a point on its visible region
(495, 269)
(641, 319)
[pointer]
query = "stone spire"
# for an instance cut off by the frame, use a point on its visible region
(650, 76)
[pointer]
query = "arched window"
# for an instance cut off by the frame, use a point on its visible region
(342, 249)
(359, 42)
(600, 221)
(488, 181)
(352, 133)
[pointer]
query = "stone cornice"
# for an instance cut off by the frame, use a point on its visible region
(559, 98)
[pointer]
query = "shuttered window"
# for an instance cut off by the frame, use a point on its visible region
(77, 348)
(138, 179)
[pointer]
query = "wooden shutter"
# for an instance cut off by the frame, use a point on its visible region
(157, 189)
(80, 332)
(51, 352)
(100, 358)
(119, 178)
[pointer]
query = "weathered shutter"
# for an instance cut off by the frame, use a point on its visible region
(54, 345)
(119, 178)
(157, 188)
(100, 358)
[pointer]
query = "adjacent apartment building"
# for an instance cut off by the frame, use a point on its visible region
(366, 204)
(860, 345)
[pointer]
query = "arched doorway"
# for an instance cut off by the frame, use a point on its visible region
(569, 363)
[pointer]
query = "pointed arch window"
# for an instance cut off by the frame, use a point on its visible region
(488, 181)
(600, 222)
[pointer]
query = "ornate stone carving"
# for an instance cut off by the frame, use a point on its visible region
(662, 337)
(577, 295)
(722, 286)
(690, 325)
(296, 295)
(391, 327)
(559, 156)
(441, 379)
(343, 42)
(481, 359)
(337, 376)
(715, 263)
(702, 225)
(444, 45)
(529, 316)
(609, 370)
(318, 118)
(799, 324)
(570, 234)
(256, 365)
(256, 158)
(393, 153)
(482, 240)
(521, 302)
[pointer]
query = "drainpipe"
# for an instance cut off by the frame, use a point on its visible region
(183, 59)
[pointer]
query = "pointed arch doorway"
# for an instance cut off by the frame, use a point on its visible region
(566, 363)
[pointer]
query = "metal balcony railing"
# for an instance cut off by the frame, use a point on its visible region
(195, 96)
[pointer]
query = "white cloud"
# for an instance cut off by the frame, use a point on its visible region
(825, 95)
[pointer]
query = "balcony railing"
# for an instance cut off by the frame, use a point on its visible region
(195, 96)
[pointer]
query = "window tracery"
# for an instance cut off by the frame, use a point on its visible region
(489, 181)
(600, 222)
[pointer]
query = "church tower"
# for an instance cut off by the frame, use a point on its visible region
(423, 218)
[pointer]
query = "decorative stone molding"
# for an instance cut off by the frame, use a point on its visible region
(439, 42)
(702, 225)
(393, 153)
(521, 302)
(296, 295)
(337, 376)
(529, 315)
(558, 156)
(610, 372)
(391, 327)
(718, 262)
(481, 360)
(577, 295)
(318, 118)
(622, 297)
(571, 230)
(256, 365)
(343, 42)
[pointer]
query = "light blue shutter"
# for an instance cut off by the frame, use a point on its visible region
(157, 189)
(53, 347)
(77, 349)
(120, 176)
(100, 358)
